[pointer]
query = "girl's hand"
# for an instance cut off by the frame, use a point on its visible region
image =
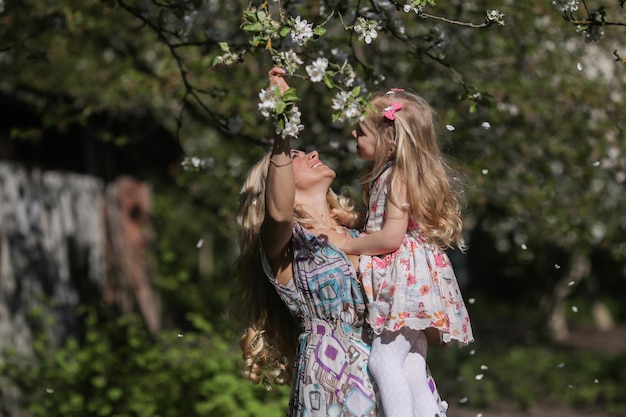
(276, 78)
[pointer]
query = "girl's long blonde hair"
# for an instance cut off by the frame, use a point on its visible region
(410, 143)
(269, 342)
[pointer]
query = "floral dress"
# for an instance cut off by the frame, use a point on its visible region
(331, 376)
(414, 286)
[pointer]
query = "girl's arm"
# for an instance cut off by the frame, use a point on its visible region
(277, 226)
(390, 237)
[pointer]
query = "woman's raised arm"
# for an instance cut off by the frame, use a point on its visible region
(279, 197)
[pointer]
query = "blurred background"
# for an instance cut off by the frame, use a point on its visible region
(122, 149)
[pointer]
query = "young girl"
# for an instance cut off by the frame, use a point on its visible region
(413, 216)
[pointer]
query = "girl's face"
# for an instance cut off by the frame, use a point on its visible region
(309, 170)
(365, 141)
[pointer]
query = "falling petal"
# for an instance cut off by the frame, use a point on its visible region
(450, 127)
(49, 390)
(595, 381)
(472, 352)
(561, 365)
(557, 266)
(200, 243)
(569, 284)
(485, 171)
(523, 246)
(596, 163)
(575, 309)
(579, 66)
(479, 415)
(471, 300)
(180, 335)
(486, 125)
(479, 377)
(463, 400)
(484, 367)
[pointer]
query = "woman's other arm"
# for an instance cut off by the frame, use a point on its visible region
(390, 237)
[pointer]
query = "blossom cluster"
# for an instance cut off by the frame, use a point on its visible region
(413, 6)
(347, 106)
(317, 69)
(497, 16)
(301, 31)
(282, 109)
(367, 29)
(193, 163)
(288, 60)
(565, 6)
(292, 125)
(227, 58)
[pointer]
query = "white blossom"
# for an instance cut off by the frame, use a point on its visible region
(565, 6)
(194, 163)
(350, 76)
(288, 60)
(301, 31)
(413, 6)
(292, 125)
(366, 30)
(340, 100)
(267, 103)
(353, 111)
(317, 69)
(497, 16)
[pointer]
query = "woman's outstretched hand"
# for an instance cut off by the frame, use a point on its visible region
(276, 78)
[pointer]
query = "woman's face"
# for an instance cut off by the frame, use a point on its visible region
(365, 141)
(309, 170)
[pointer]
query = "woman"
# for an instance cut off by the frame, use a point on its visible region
(296, 291)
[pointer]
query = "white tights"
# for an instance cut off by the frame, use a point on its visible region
(397, 363)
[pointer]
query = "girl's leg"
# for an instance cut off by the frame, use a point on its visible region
(386, 362)
(426, 400)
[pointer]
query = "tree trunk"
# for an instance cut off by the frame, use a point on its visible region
(579, 269)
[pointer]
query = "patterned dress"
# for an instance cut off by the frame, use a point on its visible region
(414, 286)
(331, 377)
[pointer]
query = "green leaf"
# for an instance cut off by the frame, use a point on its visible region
(284, 31)
(319, 31)
(328, 81)
(280, 107)
(254, 27)
(249, 15)
(290, 95)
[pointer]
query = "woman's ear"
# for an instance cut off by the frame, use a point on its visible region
(392, 149)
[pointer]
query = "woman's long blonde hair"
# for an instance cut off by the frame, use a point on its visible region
(269, 342)
(410, 143)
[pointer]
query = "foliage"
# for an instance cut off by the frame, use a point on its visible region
(119, 370)
(525, 376)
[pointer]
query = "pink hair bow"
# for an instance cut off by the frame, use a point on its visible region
(390, 112)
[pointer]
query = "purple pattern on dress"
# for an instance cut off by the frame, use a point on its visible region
(331, 377)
